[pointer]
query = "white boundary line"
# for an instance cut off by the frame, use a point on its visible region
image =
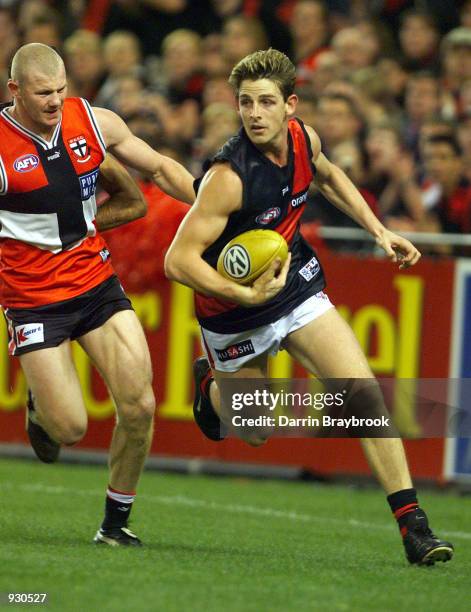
(189, 502)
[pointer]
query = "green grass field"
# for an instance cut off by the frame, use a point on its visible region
(218, 544)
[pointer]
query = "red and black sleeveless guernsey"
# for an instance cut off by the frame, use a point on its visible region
(49, 247)
(273, 198)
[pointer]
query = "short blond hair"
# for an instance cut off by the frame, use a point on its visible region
(270, 64)
(35, 57)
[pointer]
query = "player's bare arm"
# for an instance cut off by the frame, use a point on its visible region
(168, 174)
(126, 202)
(342, 193)
(220, 195)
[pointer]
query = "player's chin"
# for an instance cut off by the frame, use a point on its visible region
(260, 137)
(52, 118)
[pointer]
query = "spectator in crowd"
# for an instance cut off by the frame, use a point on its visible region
(422, 101)
(395, 77)
(182, 65)
(9, 41)
(219, 122)
(372, 95)
(418, 38)
(338, 120)
(130, 96)
(164, 67)
(45, 28)
(84, 60)
(464, 139)
(378, 37)
(434, 126)
(465, 14)
(213, 62)
(465, 98)
(306, 109)
(391, 179)
(218, 89)
(447, 191)
(456, 60)
(309, 31)
(241, 36)
(28, 11)
(227, 8)
(122, 57)
(328, 70)
(147, 126)
(164, 215)
(347, 156)
(152, 20)
(354, 50)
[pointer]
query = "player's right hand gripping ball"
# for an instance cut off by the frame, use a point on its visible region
(248, 255)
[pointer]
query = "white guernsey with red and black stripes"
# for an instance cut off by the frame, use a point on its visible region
(273, 198)
(50, 249)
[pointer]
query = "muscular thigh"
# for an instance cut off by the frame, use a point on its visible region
(328, 348)
(53, 380)
(119, 350)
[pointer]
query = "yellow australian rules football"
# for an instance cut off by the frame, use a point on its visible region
(248, 255)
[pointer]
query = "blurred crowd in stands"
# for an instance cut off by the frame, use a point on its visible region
(386, 83)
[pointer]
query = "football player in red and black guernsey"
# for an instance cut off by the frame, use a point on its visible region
(259, 179)
(57, 282)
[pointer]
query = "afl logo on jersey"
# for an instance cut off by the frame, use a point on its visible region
(26, 163)
(80, 147)
(237, 261)
(268, 216)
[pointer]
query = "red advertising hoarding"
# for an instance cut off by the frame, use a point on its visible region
(401, 318)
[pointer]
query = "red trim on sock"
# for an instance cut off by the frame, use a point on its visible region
(405, 510)
(403, 531)
(121, 492)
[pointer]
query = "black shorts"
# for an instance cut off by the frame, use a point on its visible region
(32, 329)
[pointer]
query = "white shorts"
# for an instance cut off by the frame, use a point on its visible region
(229, 352)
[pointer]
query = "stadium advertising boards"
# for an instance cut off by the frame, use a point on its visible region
(400, 318)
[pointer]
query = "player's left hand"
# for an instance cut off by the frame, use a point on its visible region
(398, 249)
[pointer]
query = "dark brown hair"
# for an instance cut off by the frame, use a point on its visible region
(270, 64)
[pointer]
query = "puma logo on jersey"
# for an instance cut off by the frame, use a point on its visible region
(26, 163)
(105, 254)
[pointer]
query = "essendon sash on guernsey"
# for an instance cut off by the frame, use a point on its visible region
(50, 250)
(273, 198)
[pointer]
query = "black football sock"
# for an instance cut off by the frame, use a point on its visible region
(402, 503)
(117, 508)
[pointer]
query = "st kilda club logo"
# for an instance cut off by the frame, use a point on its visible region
(79, 146)
(237, 261)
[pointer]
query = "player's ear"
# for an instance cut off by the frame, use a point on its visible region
(290, 104)
(13, 87)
